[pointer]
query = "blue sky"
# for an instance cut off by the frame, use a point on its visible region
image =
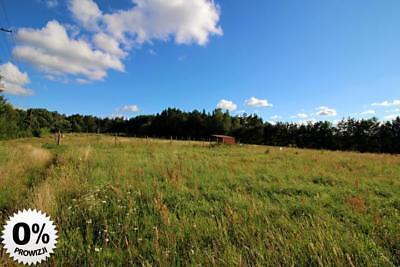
(290, 60)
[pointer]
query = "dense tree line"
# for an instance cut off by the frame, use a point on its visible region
(365, 135)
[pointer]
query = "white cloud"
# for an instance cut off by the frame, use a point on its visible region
(396, 110)
(300, 116)
(305, 122)
(130, 108)
(275, 117)
(20, 108)
(255, 102)
(122, 112)
(391, 117)
(49, 3)
(368, 112)
(108, 44)
(152, 52)
(387, 103)
(226, 105)
(14, 80)
(82, 81)
(59, 50)
(325, 111)
(51, 50)
(52, 3)
(117, 116)
(239, 112)
(189, 21)
(86, 12)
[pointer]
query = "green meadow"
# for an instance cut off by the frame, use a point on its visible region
(161, 203)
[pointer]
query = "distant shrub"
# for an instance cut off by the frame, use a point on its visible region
(41, 132)
(45, 132)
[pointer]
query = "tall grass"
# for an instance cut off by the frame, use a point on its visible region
(151, 202)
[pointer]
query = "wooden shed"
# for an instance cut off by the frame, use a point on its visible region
(224, 139)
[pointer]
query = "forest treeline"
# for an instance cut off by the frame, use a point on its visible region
(365, 135)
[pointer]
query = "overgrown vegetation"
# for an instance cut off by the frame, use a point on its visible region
(152, 202)
(349, 134)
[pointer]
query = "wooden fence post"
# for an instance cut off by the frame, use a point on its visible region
(58, 137)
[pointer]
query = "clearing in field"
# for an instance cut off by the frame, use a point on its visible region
(154, 202)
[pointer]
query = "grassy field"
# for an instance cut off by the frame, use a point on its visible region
(150, 202)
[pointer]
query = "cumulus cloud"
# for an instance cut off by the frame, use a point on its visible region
(14, 80)
(86, 12)
(368, 112)
(58, 50)
(108, 44)
(186, 21)
(152, 52)
(49, 3)
(189, 21)
(306, 122)
(123, 111)
(275, 117)
(396, 110)
(239, 112)
(51, 50)
(82, 81)
(255, 102)
(226, 105)
(52, 3)
(387, 103)
(130, 108)
(117, 116)
(300, 116)
(326, 111)
(391, 117)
